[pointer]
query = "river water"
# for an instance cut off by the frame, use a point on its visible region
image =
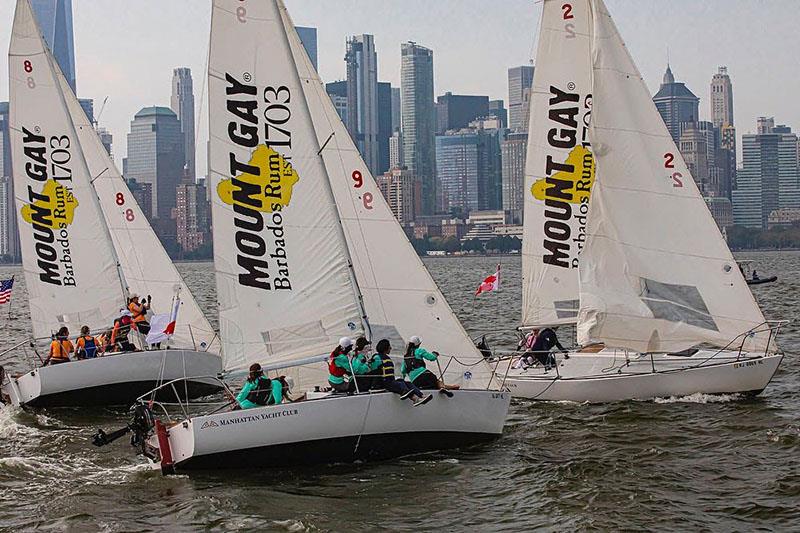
(697, 463)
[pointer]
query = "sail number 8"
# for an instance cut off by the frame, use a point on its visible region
(358, 182)
(27, 66)
(119, 199)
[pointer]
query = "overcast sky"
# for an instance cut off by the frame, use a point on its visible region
(126, 49)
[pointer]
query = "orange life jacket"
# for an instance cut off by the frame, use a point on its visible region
(60, 349)
(138, 311)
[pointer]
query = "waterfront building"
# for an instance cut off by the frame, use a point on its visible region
(520, 81)
(182, 103)
(676, 104)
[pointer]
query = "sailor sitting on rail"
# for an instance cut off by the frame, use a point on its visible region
(60, 348)
(418, 374)
(259, 390)
(388, 381)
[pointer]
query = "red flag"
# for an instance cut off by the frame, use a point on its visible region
(491, 283)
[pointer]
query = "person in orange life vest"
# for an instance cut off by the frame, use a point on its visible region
(139, 313)
(60, 348)
(86, 347)
(119, 335)
(339, 366)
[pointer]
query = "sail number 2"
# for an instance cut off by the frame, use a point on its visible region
(676, 177)
(569, 27)
(358, 182)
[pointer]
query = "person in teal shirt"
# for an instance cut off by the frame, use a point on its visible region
(259, 390)
(414, 367)
(340, 369)
(365, 366)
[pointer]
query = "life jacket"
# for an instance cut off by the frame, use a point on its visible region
(387, 367)
(333, 369)
(89, 346)
(413, 362)
(123, 327)
(261, 394)
(138, 311)
(61, 351)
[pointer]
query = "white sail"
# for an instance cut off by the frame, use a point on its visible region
(70, 268)
(146, 267)
(559, 167)
(285, 287)
(399, 295)
(656, 274)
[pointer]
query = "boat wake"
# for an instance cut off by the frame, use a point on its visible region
(700, 397)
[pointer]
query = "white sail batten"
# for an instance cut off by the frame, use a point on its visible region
(70, 266)
(656, 274)
(399, 295)
(285, 288)
(559, 167)
(146, 267)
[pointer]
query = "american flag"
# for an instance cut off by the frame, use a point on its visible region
(5, 290)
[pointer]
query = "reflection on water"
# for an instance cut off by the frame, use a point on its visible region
(721, 463)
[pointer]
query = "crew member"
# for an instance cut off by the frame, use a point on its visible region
(86, 345)
(365, 367)
(259, 390)
(139, 313)
(60, 348)
(387, 380)
(418, 374)
(119, 335)
(339, 366)
(545, 341)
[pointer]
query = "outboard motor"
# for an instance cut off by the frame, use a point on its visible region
(484, 348)
(141, 426)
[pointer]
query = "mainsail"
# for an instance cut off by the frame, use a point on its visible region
(656, 274)
(146, 267)
(399, 295)
(285, 285)
(559, 168)
(69, 260)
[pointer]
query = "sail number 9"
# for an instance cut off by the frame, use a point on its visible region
(358, 182)
(676, 177)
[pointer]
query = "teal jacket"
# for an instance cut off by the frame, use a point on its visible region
(421, 354)
(277, 393)
(359, 363)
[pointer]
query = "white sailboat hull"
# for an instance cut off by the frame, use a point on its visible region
(608, 377)
(375, 425)
(113, 380)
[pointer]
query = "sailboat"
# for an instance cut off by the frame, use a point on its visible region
(86, 246)
(306, 251)
(618, 240)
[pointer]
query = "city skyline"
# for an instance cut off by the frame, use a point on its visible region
(113, 50)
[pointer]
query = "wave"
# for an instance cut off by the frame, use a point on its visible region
(700, 397)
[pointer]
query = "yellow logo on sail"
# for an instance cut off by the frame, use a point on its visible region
(582, 177)
(274, 182)
(56, 207)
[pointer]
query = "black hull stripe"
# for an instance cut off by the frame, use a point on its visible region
(337, 450)
(119, 394)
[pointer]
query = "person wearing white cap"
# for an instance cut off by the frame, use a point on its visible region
(339, 366)
(414, 367)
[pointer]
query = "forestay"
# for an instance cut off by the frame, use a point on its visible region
(285, 288)
(70, 267)
(559, 168)
(146, 267)
(656, 274)
(399, 295)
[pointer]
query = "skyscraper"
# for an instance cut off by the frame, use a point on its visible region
(362, 97)
(399, 188)
(192, 216)
(721, 99)
(6, 213)
(396, 150)
(106, 138)
(8, 216)
(55, 21)
(396, 122)
(498, 109)
(514, 149)
(418, 119)
(384, 124)
(308, 36)
(770, 177)
(676, 104)
(469, 170)
(182, 103)
(520, 81)
(337, 90)
(155, 156)
(456, 111)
